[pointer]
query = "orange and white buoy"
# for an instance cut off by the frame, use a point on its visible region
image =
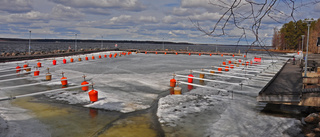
(226, 68)
(219, 70)
(64, 81)
(231, 66)
(84, 88)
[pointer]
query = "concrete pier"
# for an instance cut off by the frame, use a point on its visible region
(287, 87)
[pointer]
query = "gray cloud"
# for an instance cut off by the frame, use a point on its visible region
(131, 5)
(15, 6)
(60, 12)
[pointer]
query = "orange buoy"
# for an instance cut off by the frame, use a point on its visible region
(36, 73)
(87, 58)
(105, 55)
(18, 69)
(92, 57)
(223, 63)
(64, 80)
(156, 52)
(79, 59)
(54, 62)
(229, 61)
(64, 61)
(39, 64)
(93, 95)
(145, 52)
(115, 55)
(189, 54)
(239, 60)
(233, 55)
(247, 63)
(84, 88)
(221, 55)
(219, 69)
(210, 54)
(190, 79)
(99, 56)
(165, 53)
(244, 56)
(232, 66)
(226, 68)
(199, 54)
(71, 60)
(110, 56)
(25, 67)
(173, 82)
(176, 53)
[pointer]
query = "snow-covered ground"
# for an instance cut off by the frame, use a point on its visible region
(134, 82)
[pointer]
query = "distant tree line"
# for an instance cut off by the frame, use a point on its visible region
(289, 37)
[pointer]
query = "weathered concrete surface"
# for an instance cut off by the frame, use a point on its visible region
(286, 86)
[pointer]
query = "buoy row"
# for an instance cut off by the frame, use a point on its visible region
(189, 53)
(227, 66)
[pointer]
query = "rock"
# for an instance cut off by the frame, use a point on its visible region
(310, 135)
(37, 53)
(316, 129)
(312, 118)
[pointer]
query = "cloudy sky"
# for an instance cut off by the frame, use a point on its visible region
(155, 20)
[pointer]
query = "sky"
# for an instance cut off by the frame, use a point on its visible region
(142, 20)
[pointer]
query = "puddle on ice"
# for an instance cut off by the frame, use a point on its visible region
(128, 86)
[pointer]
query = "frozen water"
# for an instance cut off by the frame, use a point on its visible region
(134, 82)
